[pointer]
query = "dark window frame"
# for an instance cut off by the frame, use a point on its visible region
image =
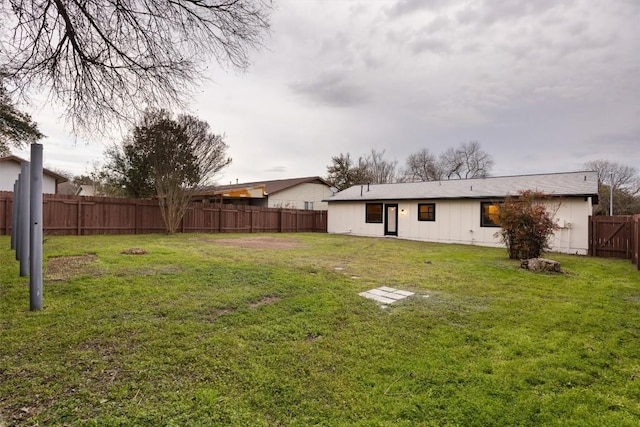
(367, 214)
(485, 220)
(431, 217)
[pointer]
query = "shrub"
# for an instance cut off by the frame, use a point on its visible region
(527, 224)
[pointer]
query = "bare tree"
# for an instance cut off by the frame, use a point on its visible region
(107, 60)
(625, 183)
(466, 161)
(422, 166)
(616, 174)
(378, 169)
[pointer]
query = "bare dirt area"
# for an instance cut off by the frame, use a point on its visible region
(261, 242)
(63, 268)
(265, 301)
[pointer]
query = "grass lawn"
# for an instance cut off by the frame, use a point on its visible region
(269, 330)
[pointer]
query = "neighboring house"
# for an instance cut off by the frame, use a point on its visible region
(72, 189)
(295, 193)
(462, 211)
(10, 169)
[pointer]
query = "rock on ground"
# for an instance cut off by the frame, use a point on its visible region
(541, 264)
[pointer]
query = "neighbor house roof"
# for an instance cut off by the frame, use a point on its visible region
(56, 176)
(267, 187)
(557, 184)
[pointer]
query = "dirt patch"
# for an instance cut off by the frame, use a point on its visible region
(264, 301)
(213, 316)
(261, 242)
(63, 268)
(134, 251)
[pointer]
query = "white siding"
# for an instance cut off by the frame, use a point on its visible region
(295, 197)
(9, 173)
(458, 221)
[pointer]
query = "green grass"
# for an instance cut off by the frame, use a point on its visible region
(197, 332)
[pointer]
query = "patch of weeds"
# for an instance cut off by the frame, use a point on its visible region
(63, 268)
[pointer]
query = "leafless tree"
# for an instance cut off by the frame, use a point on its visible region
(106, 60)
(466, 161)
(422, 166)
(379, 170)
(616, 175)
(625, 183)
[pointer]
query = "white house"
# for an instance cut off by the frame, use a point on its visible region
(293, 193)
(10, 169)
(462, 211)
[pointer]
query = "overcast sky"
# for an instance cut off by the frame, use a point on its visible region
(542, 85)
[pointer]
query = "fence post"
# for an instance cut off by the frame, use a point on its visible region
(220, 218)
(627, 232)
(135, 217)
(79, 224)
(592, 232)
(35, 222)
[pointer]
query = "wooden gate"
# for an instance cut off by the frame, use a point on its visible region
(615, 237)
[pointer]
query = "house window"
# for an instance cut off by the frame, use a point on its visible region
(489, 214)
(426, 211)
(374, 212)
(308, 206)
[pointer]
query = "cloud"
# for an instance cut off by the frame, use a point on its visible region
(431, 44)
(407, 7)
(277, 169)
(333, 89)
(543, 85)
(506, 12)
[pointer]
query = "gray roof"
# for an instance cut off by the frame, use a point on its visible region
(557, 184)
(271, 187)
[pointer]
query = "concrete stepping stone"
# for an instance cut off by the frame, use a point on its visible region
(385, 294)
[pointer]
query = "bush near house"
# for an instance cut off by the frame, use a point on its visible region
(527, 224)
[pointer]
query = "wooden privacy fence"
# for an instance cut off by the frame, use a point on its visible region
(74, 215)
(615, 237)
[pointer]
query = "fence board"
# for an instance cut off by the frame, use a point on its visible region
(6, 207)
(74, 215)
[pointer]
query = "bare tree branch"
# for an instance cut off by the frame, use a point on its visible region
(422, 166)
(107, 60)
(466, 161)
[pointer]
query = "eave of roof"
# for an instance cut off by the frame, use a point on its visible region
(559, 184)
(271, 187)
(56, 176)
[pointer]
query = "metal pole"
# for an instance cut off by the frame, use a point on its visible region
(23, 233)
(35, 221)
(611, 197)
(14, 217)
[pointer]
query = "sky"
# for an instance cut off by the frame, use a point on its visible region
(544, 86)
